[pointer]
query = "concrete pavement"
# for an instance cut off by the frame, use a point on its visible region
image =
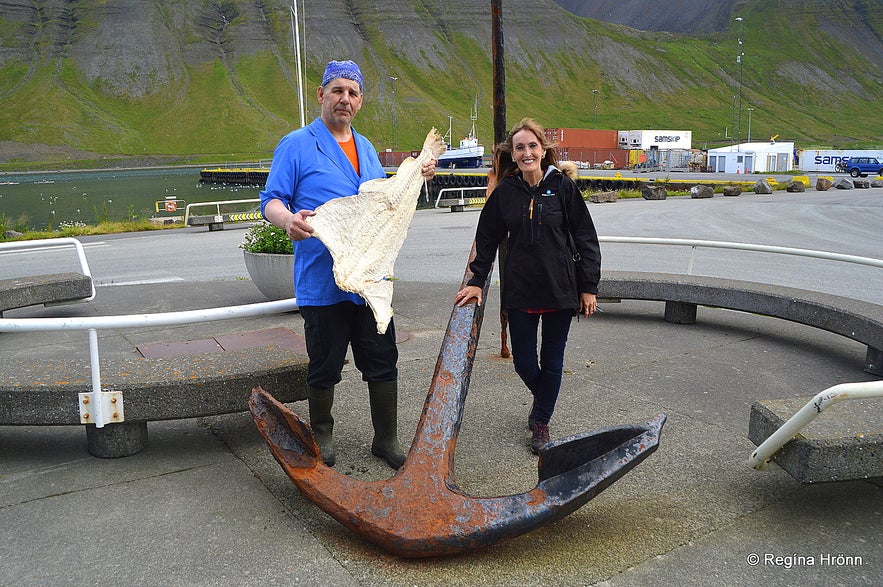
(206, 504)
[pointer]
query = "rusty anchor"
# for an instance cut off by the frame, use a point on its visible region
(420, 511)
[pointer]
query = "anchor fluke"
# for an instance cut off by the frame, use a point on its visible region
(290, 438)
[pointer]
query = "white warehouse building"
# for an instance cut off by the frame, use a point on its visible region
(765, 157)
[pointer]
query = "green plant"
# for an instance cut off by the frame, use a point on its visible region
(263, 237)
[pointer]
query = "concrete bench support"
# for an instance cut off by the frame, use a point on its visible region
(680, 313)
(874, 361)
(116, 440)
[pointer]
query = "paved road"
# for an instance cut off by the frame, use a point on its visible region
(438, 243)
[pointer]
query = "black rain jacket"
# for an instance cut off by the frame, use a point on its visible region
(539, 270)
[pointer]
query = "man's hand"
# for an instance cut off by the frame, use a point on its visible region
(428, 169)
(296, 226)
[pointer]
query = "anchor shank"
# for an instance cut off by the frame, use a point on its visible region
(439, 426)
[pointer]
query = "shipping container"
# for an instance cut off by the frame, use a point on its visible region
(395, 158)
(826, 160)
(583, 137)
(655, 139)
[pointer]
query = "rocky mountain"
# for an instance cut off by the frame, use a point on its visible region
(184, 80)
(858, 23)
(676, 16)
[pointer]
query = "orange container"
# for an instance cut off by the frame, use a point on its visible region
(583, 138)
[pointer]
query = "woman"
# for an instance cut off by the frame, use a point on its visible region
(552, 266)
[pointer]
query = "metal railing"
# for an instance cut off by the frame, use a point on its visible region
(217, 206)
(695, 244)
(861, 390)
(99, 400)
(461, 201)
(104, 403)
(55, 243)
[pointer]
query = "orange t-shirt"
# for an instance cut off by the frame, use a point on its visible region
(349, 147)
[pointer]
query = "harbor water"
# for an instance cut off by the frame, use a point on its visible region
(39, 201)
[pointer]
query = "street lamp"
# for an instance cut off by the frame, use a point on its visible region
(295, 41)
(739, 55)
(395, 115)
(750, 110)
(595, 108)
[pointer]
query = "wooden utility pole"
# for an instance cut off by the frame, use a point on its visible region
(499, 71)
(500, 131)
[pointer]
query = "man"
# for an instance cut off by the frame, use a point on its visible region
(328, 159)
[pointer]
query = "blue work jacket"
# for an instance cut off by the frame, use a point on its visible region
(309, 168)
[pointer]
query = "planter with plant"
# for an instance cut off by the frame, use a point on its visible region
(269, 259)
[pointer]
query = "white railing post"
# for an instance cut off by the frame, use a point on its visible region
(53, 243)
(94, 363)
(762, 455)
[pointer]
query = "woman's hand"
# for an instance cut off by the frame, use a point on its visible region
(467, 293)
(588, 303)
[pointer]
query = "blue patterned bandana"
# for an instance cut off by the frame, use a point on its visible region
(342, 69)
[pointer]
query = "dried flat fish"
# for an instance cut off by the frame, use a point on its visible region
(365, 232)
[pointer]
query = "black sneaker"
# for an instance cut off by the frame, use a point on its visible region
(540, 437)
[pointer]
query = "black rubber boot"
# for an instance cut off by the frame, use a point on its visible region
(384, 396)
(321, 421)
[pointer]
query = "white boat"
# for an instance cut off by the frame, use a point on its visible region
(468, 154)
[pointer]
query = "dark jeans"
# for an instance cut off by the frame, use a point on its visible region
(330, 329)
(543, 377)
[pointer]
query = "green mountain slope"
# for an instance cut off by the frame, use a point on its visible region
(200, 80)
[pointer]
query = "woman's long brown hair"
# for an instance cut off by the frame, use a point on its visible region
(505, 166)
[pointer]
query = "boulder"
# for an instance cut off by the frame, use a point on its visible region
(823, 184)
(603, 197)
(653, 192)
(701, 191)
(732, 190)
(877, 183)
(843, 184)
(861, 183)
(795, 187)
(762, 187)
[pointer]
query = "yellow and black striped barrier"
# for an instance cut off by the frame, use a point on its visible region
(216, 221)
